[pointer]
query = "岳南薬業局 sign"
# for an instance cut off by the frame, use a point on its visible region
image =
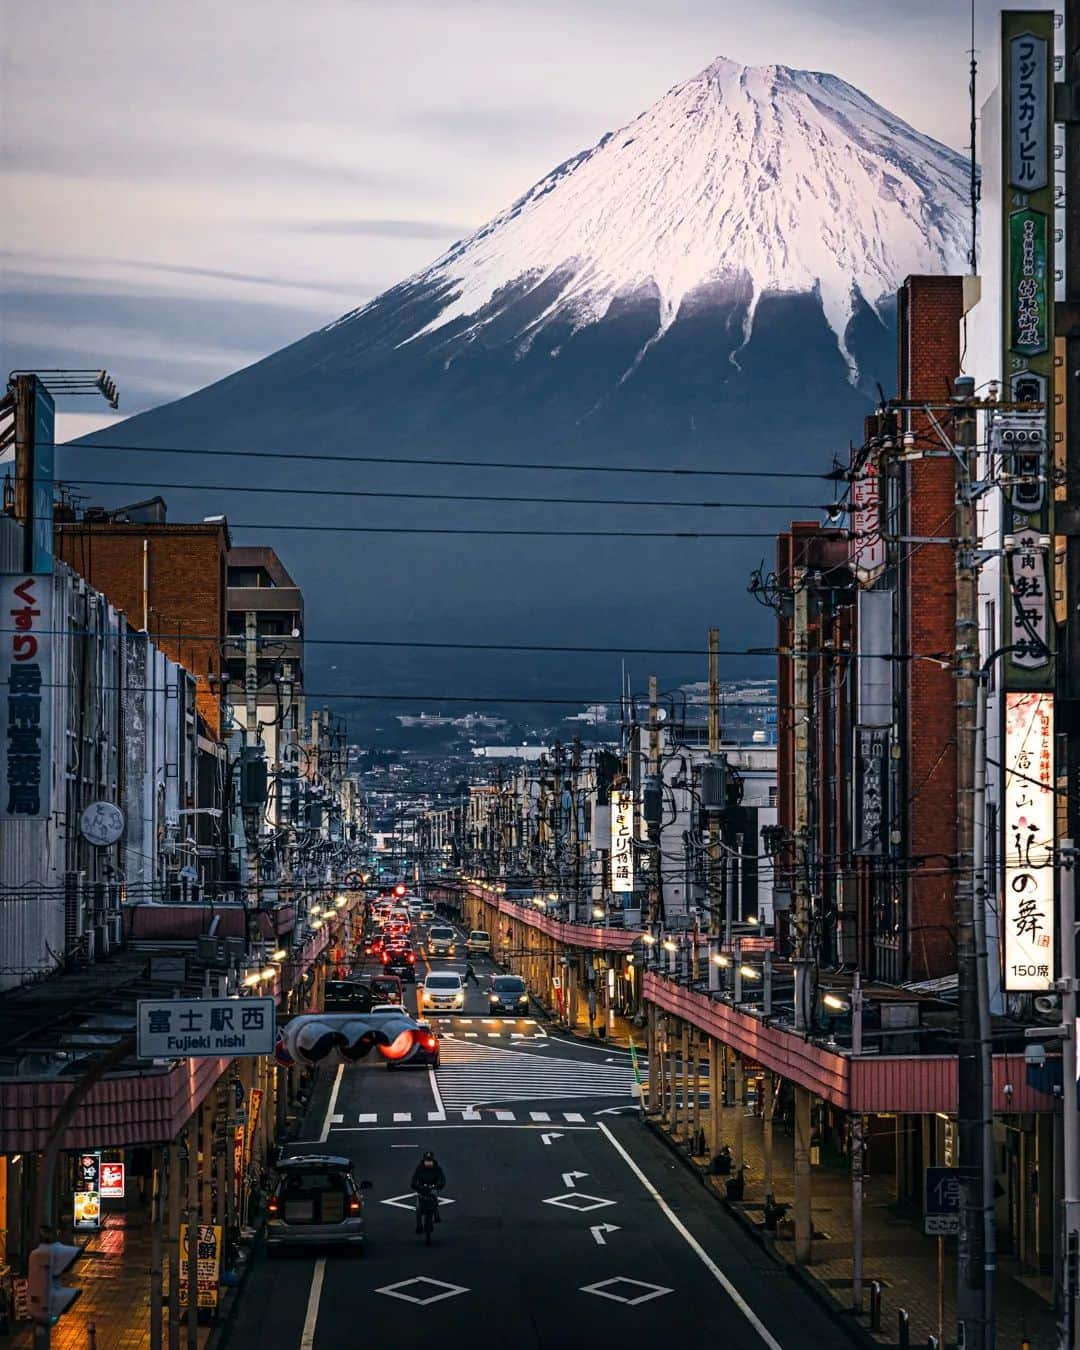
(201, 1028)
(25, 693)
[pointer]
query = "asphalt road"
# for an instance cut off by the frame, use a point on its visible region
(565, 1222)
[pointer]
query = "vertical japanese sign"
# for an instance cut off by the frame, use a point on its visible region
(872, 791)
(622, 841)
(208, 1258)
(25, 692)
(1027, 148)
(1028, 917)
(867, 548)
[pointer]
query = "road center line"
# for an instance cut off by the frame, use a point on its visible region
(307, 1338)
(694, 1245)
(331, 1106)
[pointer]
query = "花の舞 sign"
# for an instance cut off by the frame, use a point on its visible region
(201, 1028)
(1029, 841)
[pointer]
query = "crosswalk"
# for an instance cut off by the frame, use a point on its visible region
(472, 1074)
(466, 1116)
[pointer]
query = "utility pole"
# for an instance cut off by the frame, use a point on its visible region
(971, 1274)
(713, 858)
(801, 735)
(1070, 1200)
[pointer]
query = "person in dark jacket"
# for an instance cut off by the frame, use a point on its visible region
(428, 1174)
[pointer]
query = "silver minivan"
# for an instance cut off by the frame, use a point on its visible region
(316, 1201)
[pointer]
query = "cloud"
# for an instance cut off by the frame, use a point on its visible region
(385, 229)
(507, 125)
(184, 270)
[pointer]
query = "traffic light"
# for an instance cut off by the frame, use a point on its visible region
(48, 1298)
(400, 890)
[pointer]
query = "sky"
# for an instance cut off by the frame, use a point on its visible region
(186, 188)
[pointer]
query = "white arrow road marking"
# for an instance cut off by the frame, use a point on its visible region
(598, 1231)
(547, 1138)
(569, 1178)
(614, 1110)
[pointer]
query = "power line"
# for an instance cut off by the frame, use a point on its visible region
(437, 463)
(440, 496)
(490, 533)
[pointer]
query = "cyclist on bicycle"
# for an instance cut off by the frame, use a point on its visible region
(428, 1176)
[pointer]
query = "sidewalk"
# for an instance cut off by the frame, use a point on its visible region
(618, 1030)
(895, 1251)
(113, 1274)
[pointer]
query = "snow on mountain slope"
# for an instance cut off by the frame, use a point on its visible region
(755, 179)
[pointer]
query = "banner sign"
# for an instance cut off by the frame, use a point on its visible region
(26, 644)
(112, 1181)
(941, 1201)
(1028, 301)
(1029, 841)
(622, 841)
(87, 1209)
(205, 1028)
(1029, 123)
(208, 1257)
(867, 548)
(1029, 590)
(871, 791)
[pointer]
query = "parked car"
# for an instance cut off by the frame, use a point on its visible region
(425, 1051)
(478, 943)
(442, 989)
(440, 941)
(316, 1200)
(508, 994)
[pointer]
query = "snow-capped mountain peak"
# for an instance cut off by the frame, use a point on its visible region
(750, 179)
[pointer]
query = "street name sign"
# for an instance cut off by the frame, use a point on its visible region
(205, 1028)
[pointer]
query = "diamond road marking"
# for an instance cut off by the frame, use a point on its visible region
(420, 1283)
(578, 1201)
(539, 1115)
(408, 1201)
(574, 1117)
(603, 1289)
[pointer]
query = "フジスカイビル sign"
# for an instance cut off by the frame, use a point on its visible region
(201, 1028)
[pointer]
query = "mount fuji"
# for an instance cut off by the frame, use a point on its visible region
(711, 286)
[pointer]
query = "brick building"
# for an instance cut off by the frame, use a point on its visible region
(169, 579)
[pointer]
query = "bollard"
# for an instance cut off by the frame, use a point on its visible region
(875, 1305)
(91, 1336)
(903, 1329)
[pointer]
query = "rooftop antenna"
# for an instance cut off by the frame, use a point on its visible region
(974, 184)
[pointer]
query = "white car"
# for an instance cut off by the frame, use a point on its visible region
(442, 990)
(440, 941)
(478, 943)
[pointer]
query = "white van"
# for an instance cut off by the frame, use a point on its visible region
(440, 941)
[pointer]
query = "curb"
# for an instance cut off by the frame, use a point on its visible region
(856, 1333)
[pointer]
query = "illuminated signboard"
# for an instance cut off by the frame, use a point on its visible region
(1028, 917)
(112, 1180)
(622, 841)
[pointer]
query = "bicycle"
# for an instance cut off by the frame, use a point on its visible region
(428, 1204)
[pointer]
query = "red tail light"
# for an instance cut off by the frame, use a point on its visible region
(354, 1205)
(411, 958)
(272, 1205)
(429, 1043)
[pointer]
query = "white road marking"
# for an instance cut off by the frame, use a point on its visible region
(472, 1035)
(433, 1081)
(331, 1108)
(504, 1115)
(337, 1120)
(517, 1035)
(494, 1035)
(539, 1115)
(402, 1117)
(368, 1119)
(307, 1336)
(436, 1115)
(470, 1114)
(598, 1230)
(575, 1116)
(694, 1245)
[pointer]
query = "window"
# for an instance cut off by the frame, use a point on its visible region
(250, 576)
(508, 984)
